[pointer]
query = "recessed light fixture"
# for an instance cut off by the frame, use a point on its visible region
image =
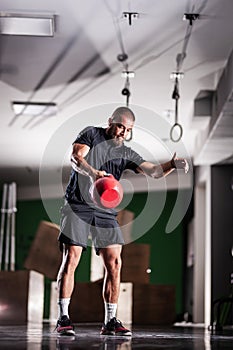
(26, 24)
(34, 108)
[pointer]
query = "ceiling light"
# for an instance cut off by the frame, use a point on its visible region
(128, 74)
(190, 17)
(176, 75)
(34, 108)
(130, 16)
(25, 24)
(122, 57)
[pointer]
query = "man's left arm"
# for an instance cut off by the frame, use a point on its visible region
(161, 170)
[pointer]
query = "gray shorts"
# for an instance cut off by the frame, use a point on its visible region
(82, 227)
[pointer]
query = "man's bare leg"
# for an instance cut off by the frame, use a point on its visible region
(65, 278)
(112, 261)
(65, 282)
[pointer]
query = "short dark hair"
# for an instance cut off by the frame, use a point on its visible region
(123, 111)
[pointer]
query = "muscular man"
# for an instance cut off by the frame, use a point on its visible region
(96, 152)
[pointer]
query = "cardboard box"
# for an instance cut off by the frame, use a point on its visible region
(44, 255)
(21, 297)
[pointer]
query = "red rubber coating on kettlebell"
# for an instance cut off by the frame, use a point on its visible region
(107, 192)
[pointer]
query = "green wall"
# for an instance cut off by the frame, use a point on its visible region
(167, 250)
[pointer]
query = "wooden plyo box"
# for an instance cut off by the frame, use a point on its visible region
(21, 297)
(44, 255)
(146, 304)
(137, 304)
(87, 303)
(125, 303)
(153, 304)
(125, 220)
(135, 262)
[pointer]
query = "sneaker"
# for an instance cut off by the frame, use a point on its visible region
(114, 327)
(64, 326)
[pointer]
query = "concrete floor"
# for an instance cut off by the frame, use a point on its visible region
(38, 337)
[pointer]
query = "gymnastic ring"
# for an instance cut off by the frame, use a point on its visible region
(171, 132)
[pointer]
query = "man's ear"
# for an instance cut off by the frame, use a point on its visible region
(110, 121)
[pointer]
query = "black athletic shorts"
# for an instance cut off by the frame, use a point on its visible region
(80, 227)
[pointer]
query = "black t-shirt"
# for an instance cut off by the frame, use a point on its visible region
(103, 155)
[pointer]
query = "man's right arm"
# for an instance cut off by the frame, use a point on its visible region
(80, 164)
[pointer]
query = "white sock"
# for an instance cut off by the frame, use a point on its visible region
(63, 305)
(110, 311)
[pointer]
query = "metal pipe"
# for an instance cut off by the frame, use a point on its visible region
(14, 209)
(3, 212)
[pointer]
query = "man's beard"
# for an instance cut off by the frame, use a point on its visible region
(116, 140)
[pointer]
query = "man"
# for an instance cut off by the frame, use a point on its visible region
(96, 153)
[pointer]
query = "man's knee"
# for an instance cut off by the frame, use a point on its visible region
(71, 257)
(113, 264)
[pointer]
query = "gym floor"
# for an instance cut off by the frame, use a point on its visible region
(38, 337)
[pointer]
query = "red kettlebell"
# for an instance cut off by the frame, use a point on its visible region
(107, 192)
